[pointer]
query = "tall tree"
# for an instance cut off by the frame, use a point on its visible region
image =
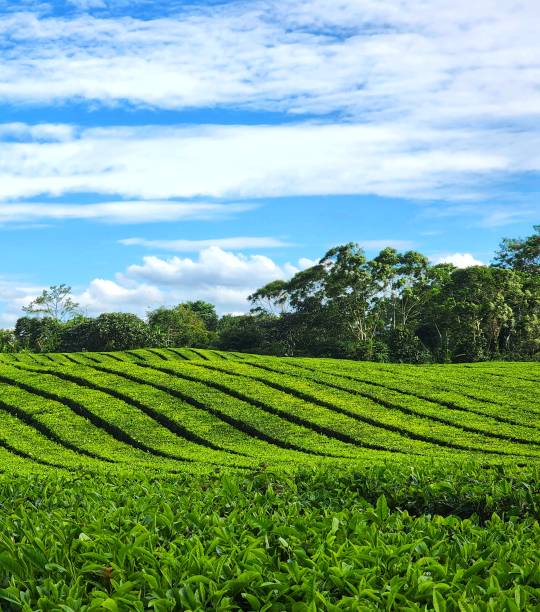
(206, 311)
(521, 254)
(55, 302)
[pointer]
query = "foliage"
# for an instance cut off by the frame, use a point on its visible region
(371, 539)
(395, 307)
(405, 347)
(521, 254)
(398, 307)
(171, 479)
(248, 333)
(179, 326)
(179, 409)
(55, 302)
(113, 331)
(206, 311)
(8, 341)
(41, 335)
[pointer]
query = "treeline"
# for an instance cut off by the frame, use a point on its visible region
(395, 307)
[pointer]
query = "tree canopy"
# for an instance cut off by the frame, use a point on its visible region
(396, 306)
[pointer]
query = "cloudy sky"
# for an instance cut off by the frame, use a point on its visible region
(152, 152)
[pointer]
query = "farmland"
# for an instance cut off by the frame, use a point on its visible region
(196, 479)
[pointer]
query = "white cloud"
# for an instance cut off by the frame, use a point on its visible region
(104, 295)
(415, 86)
(239, 242)
(214, 266)
(437, 61)
(119, 212)
(220, 277)
(41, 131)
(460, 260)
(156, 162)
(377, 245)
(14, 294)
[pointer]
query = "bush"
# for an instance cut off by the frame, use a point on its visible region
(113, 331)
(179, 326)
(8, 341)
(42, 335)
(405, 347)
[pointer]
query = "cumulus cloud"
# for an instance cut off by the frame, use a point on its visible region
(239, 242)
(104, 295)
(214, 266)
(221, 277)
(460, 260)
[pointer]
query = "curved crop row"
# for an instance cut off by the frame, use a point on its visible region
(241, 413)
(380, 412)
(414, 399)
(191, 409)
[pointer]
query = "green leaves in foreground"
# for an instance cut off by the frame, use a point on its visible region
(311, 541)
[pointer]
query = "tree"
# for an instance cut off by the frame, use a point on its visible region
(206, 311)
(401, 278)
(521, 254)
(273, 298)
(113, 331)
(249, 334)
(77, 334)
(43, 335)
(55, 302)
(8, 341)
(477, 312)
(179, 326)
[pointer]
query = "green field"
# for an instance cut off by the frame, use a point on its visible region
(178, 479)
(177, 410)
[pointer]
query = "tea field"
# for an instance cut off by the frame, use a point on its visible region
(183, 479)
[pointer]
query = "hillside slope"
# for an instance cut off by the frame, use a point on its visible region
(174, 410)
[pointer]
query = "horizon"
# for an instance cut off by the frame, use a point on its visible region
(153, 153)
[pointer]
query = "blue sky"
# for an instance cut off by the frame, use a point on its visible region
(152, 152)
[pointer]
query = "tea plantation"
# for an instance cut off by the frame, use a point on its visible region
(182, 479)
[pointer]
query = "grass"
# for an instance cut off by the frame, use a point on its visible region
(176, 479)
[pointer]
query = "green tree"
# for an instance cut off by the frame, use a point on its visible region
(251, 333)
(477, 311)
(179, 326)
(8, 341)
(206, 311)
(273, 298)
(41, 335)
(521, 254)
(113, 331)
(55, 303)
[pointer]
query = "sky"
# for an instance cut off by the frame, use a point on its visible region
(156, 152)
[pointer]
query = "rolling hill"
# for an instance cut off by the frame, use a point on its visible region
(175, 410)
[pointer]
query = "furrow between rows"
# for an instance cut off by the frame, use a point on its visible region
(406, 432)
(113, 430)
(159, 418)
(406, 393)
(282, 414)
(239, 425)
